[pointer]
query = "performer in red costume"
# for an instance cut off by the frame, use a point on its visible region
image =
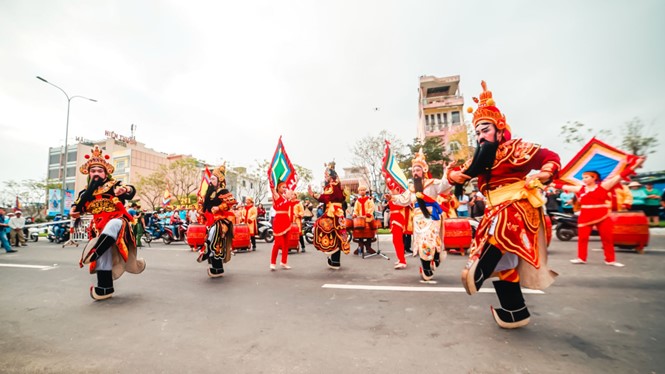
(282, 202)
(510, 241)
(400, 224)
(216, 208)
(595, 199)
(249, 214)
(330, 235)
(364, 208)
(104, 198)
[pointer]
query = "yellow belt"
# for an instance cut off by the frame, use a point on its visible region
(596, 206)
(518, 191)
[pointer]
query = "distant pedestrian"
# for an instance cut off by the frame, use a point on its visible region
(17, 224)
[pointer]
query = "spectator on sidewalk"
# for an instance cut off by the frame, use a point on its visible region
(4, 230)
(17, 224)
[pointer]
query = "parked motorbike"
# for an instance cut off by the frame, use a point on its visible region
(265, 231)
(168, 236)
(566, 226)
(153, 232)
(308, 231)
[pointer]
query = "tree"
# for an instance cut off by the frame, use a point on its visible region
(260, 174)
(577, 134)
(304, 177)
(31, 195)
(435, 154)
(368, 153)
(182, 177)
(151, 188)
(636, 141)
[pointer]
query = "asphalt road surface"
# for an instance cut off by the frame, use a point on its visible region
(173, 318)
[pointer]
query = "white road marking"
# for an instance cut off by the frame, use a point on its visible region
(40, 267)
(417, 289)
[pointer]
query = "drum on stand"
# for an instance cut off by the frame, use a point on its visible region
(293, 237)
(457, 234)
(359, 222)
(631, 230)
(241, 236)
(196, 236)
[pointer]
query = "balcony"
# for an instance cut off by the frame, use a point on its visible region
(442, 101)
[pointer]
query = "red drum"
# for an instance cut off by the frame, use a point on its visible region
(376, 224)
(366, 231)
(240, 236)
(348, 223)
(548, 229)
(457, 234)
(196, 235)
(359, 222)
(631, 230)
(293, 237)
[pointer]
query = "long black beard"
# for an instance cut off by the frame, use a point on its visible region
(418, 186)
(483, 159)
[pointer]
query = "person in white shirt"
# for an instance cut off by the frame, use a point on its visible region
(16, 224)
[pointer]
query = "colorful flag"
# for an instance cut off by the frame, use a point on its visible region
(205, 181)
(281, 169)
(596, 156)
(394, 175)
(167, 198)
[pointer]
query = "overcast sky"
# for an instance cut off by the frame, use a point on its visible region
(223, 80)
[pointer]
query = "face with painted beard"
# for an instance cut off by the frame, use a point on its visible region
(488, 138)
(97, 175)
(418, 175)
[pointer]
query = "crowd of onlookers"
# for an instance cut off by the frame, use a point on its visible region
(12, 234)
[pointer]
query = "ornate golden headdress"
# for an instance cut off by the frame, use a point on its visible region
(95, 158)
(220, 173)
(487, 110)
(420, 160)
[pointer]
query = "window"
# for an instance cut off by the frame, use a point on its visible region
(54, 159)
(243, 184)
(71, 171)
(455, 118)
(54, 173)
(438, 118)
(71, 156)
(453, 146)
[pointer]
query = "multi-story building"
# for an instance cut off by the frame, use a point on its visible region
(441, 114)
(132, 160)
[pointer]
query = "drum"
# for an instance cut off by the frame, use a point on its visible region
(240, 236)
(376, 224)
(196, 236)
(631, 230)
(293, 237)
(359, 222)
(348, 223)
(457, 234)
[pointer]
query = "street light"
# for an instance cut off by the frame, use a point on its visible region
(65, 157)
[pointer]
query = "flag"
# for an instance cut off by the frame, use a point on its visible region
(394, 175)
(167, 198)
(205, 181)
(17, 205)
(281, 169)
(596, 156)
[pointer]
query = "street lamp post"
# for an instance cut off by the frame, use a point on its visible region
(65, 156)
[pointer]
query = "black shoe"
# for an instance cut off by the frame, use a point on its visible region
(513, 312)
(11, 251)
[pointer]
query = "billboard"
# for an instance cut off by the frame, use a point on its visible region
(55, 201)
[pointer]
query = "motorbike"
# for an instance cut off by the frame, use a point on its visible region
(168, 236)
(153, 232)
(265, 230)
(566, 226)
(308, 231)
(58, 233)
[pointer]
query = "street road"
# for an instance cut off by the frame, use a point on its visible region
(174, 319)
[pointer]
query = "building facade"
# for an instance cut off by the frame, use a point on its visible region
(441, 114)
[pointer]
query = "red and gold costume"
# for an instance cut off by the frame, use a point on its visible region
(111, 225)
(510, 239)
(330, 234)
(595, 211)
(216, 207)
(449, 204)
(364, 208)
(249, 214)
(297, 215)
